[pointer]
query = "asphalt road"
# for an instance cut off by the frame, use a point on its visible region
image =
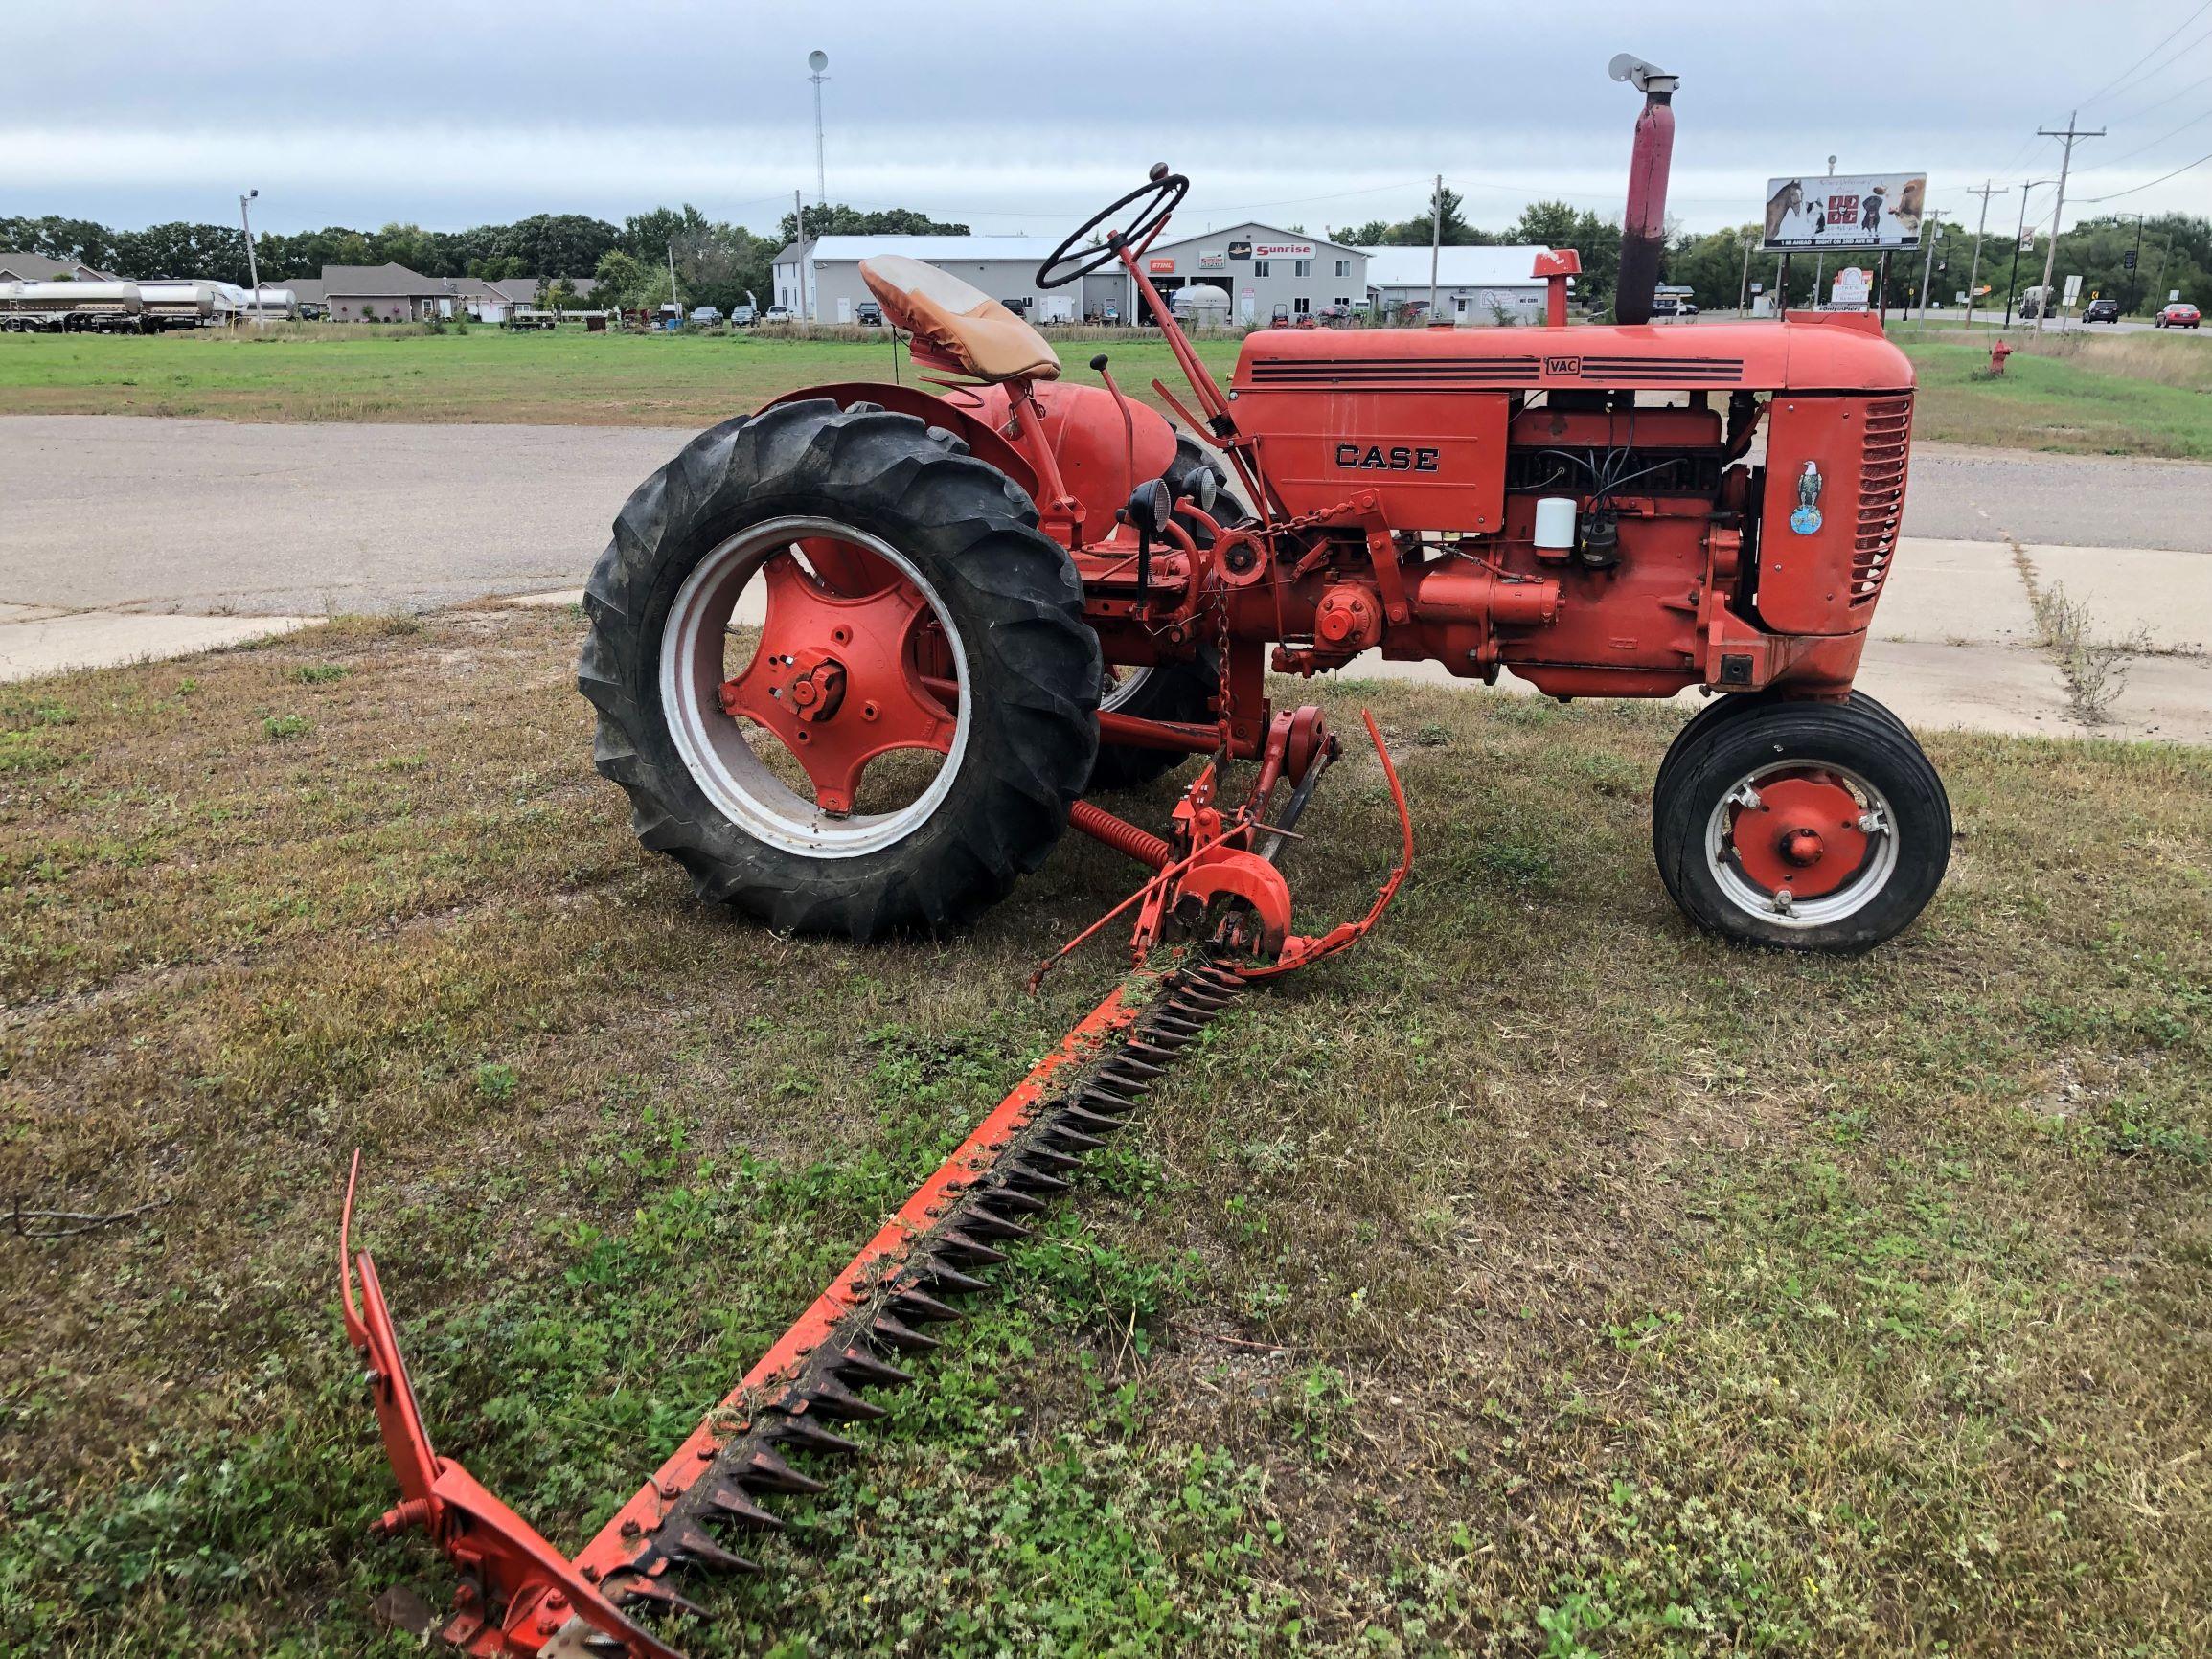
(123, 513)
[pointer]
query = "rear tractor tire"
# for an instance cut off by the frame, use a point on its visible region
(1816, 826)
(919, 710)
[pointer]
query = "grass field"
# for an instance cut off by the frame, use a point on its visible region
(486, 375)
(2134, 395)
(1542, 1279)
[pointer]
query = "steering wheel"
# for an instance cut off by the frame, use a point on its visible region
(1158, 196)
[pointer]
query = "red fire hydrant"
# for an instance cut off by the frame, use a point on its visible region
(1997, 353)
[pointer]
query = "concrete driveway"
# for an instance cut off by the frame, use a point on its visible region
(128, 536)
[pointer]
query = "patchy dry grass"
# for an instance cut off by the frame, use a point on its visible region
(1546, 1278)
(2075, 393)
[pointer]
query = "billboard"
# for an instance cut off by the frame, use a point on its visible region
(1869, 211)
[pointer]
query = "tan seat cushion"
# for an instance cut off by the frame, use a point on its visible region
(959, 321)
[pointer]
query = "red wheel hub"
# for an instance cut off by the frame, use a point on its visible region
(1802, 834)
(838, 675)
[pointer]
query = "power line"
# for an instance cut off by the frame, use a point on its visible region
(2115, 196)
(2120, 79)
(2134, 113)
(2161, 139)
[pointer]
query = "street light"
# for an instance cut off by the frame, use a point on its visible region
(1820, 260)
(253, 270)
(816, 62)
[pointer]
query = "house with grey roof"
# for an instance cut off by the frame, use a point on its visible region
(21, 268)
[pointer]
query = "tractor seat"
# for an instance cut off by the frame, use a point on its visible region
(962, 325)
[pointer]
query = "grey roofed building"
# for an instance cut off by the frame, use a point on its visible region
(387, 293)
(307, 290)
(1473, 284)
(22, 268)
(1263, 268)
(1004, 267)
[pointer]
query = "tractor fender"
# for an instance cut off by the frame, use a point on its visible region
(965, 415)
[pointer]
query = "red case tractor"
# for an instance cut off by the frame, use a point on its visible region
(860, 657)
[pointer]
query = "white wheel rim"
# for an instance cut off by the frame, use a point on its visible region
(1120, 690)
(1863, 887)
(712, 742)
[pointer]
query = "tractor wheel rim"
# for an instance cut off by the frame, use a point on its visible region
(1119, 690)
(711, 742)
(1864, 832)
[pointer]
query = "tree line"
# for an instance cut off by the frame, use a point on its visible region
(2174, 251)
(716, 263)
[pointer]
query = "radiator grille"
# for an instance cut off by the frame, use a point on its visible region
(1881, 496)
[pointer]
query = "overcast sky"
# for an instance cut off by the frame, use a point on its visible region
(1024, 117)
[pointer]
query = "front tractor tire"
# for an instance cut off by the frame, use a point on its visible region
(905, 734)
(1815, 827)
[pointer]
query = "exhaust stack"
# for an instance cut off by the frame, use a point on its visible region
(1644, 226)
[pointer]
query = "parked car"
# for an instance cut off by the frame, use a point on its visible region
(868, 314)
(2180, 314)
(2102, 312)
(744, 316)
(705, 316)
(778, 314)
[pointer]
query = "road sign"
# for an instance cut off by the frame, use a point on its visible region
(2073, 292)
(2128, 259)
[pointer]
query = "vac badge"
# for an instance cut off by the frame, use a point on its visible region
(1805, 516)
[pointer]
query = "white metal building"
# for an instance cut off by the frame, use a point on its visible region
(1473, 284)
(1261, 268)
(1004, 267)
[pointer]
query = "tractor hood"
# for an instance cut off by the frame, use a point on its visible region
(1807, 351)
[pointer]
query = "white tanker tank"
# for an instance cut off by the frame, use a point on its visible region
(71, 307)
(177, 304)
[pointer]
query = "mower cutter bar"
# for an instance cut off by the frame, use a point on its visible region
(519, 1597)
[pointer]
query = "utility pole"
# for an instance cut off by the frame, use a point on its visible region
(1744, 289)
(2020, 239)
(674, 299)
(2051, 255)
(1927, 269)
(816, 62)
(799, 215)
(2165, 253)
(1435, 242)
(253, 270)
(1820, 260)
(2135, 268)
(1980, 225)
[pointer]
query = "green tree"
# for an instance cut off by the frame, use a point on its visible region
(619, 278)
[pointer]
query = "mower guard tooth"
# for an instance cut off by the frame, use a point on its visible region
(1004, 1197)
(941, 1277)
(858, 1365)
(1081, 1144)
(982, 1223)
(694, 1549)
(918, 1306)
(637, 1587)
(827, 1396)
(807, 1435)
(899, 1337)
(765, 1471)
(954, 1246)
(1050, 1161)
(1088, 1122)
(733, 1506)
(1035, 1181)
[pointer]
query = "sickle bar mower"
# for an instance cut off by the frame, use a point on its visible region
(520, 1596)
